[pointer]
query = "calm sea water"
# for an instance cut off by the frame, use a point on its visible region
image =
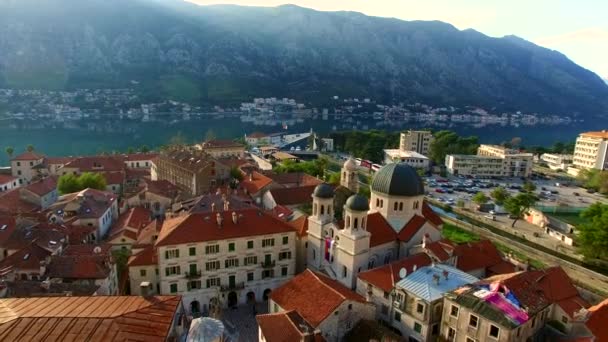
(93, 136)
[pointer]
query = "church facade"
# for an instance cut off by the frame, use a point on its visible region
(371, 232)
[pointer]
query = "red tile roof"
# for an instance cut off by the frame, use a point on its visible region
(200, 227)
(28, 258)
(300, 225)
(88, 249)
(411, 228)
(45, 235)
(286, 326)
(162, 188)
(28, 156)
(572, 305)
(145, 257)
(88, 203)
(598, 318)
(96, 318)
(503, 267)
(97, 164)
(255, 182)
(430, 215)
(11, 202)
(58, 160)
(113, 178)
(146, 234)
(329, 294)
(8, 224)
(257, 135)
(43, 186)
(4, 178)
(381, 231)
(438, 250)
(130, 223)
(293, 196)
(79, 267)
(295, 179)
(139, 156)
(476, 255)
(385, 277)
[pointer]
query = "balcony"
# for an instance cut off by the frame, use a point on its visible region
(192, 275)
(268, 264)
(232, 287)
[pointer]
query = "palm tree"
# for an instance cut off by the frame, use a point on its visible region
(30, 148)
(9, 150)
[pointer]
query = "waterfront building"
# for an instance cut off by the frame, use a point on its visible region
(591, 151)
(223, 149)
(557, 161)
(491, 161)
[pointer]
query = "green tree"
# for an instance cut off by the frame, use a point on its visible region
(130, 150)
(9, 150)
(235, 173)
(480, 198)
(92, 180)
(334, 178)
(144, 149)
(68, 183)
(529, 187)
(519, 205)
(593, 235)
(421, 172)
(460, 203)
(30, 148)
(448, 142)
(558, 147)
(500, 195)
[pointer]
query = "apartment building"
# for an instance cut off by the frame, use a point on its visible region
(224, 258)
(194, 171)
(591, 151)
(417, 141)
(557, 161)
(223, 148)
(23, 166)
(491, 161)
(411, 158)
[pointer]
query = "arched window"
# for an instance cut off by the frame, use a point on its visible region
(331, 231)
(395, 206)
(314, 209)
(387, 257)
(314, 254)
(377, 202)
(363, 223)
(417, 204)
(413, 205)
(344, 175)
(400, 206)
(329, 210)
(344, 271)
(371, 263)
(381, 203)
(356, 223)
(348, 221)
(322, 210)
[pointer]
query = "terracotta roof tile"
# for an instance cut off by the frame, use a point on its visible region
(200, 227)
(286, 326)
(503, 267)
(8, 224)
(28, 258)
(131, 222)
(88, 203)
(411, 228)
(431, 215)
(4, 178)
(97, 164)
(162, 188)
(139, 156)
(385, 277)
(438, 250)
(293, 196)
(255, 182)
(79, 267)
(300, 225)
(572, 305)
(598, 318)
(113, 178)
(295, 179)
(88, 249)
(11, 202)
(43, 186)
(28, 156)
(296, 295)
(476, 255)
(145, 257)
(58, 160)
(381, 231)
(97, 318)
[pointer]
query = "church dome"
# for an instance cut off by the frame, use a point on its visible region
(398, 179)
(357, 203)
(324, 190)
(350, 165)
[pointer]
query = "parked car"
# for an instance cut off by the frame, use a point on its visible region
(576, 194)
(591, 191)
(440, 190)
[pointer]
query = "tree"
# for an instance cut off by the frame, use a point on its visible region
(448, 142)
(235, 173)
(421, 172)
(9, 150)
(144, 149)
(334, 178)
(460, 203)
(519, 205)
(68, 183)
(92, 180)
(593, 235)
(529, 187)
(480, 198)
(558, 147)
(130, 150)
(500, 195)
(30, 148)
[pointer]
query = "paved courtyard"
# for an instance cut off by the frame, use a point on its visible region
(240, 322)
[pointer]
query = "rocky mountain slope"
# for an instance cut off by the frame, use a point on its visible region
(227, 54)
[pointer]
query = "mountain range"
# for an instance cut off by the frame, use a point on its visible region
(169, 49)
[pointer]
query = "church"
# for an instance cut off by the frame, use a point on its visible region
(373, 231)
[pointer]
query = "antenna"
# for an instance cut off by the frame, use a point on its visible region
(402, 273)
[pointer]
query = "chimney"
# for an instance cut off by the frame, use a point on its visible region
(219, 219)
(235, 218)
(424, 241)
(436, 279)
(45, 285)
(144, 287)
(414, 268)
(212, 207)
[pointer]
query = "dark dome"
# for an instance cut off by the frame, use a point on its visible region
(357, 203)
(324, 190)
(398, 179)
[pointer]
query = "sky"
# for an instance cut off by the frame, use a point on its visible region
(576, 28)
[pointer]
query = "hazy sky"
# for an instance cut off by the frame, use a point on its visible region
(577, 28)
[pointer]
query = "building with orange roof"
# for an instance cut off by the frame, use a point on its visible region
(125, 231)
(223, 256)
(591, 151)
(322, 303)
(96, 318)
(8, 182)
(223, 148)
(22, 166)
(511, 307)
(286, 326)
(42, 193)
(157, 196)
(373, 231)
(255, 184)
(300, 225)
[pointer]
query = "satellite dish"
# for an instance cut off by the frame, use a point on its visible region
(402, 273)
(97, 250)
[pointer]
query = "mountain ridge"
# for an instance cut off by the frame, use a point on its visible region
(224, 54)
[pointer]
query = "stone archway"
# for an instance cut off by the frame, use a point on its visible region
(250, 297)
(232, 299)
(195, 307)
(267, 294)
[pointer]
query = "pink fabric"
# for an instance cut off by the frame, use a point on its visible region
(505, 306)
